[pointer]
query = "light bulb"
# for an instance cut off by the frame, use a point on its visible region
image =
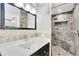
(19, 5)
(59, 10)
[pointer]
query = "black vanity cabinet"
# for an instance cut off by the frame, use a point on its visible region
(44, 51)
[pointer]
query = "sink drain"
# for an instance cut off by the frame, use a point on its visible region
(28, 48)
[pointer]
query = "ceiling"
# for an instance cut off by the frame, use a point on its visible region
(61, 7)
(55, 7)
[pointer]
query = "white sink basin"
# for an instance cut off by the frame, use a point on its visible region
(31, 43)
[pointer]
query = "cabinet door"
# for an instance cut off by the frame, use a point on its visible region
(44, 51)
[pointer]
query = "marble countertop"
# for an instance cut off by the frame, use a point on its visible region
(23, 47)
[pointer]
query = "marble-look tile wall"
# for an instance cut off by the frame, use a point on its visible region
(68, 38)
(75, 26)
(13, 35)
(62, 35)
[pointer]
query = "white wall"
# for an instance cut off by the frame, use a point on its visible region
(44, 18)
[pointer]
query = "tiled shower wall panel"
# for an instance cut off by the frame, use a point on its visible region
(76, 28)
(62, 35)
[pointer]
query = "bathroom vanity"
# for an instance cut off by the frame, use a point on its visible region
(37, 46)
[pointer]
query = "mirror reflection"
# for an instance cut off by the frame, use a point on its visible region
(16, 17)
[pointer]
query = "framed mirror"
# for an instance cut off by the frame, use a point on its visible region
(16, 17)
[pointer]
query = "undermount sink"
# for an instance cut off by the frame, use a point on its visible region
(31, 44)
(27, 45)
(34, 43)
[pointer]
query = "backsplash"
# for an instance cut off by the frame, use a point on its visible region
(14, 35)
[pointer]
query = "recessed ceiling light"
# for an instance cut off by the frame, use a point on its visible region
(59, 10)
(33, 11)
(21, 5)
(30, 9)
